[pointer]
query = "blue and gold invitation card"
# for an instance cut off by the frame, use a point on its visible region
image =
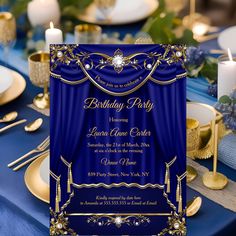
(118, 161)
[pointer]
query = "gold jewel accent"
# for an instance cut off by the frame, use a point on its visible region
(58, 191)
(167, 174)
(62, 54)
(175, 53)
(118, 61)
(69, 176)
(176, 225)
(179, 191)
(118, 221)
(59, 224)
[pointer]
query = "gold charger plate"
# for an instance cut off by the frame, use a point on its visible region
(34, 182)
(16, 89)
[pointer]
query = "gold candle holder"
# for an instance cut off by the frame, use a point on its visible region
(39, 73)
(213, 179)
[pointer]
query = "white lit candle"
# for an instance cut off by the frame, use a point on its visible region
(41, 12)
(226, 75)
(53, 36)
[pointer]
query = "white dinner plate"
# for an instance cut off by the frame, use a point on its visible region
(44, 170)
(227, 39)
(202, 112)
(6, 79)
(124, 12)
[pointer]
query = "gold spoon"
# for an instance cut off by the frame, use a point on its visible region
(193, 206)
(33, 126)
(12, 125)
(9, 117)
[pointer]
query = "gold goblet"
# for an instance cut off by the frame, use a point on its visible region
(39, 74)
(7, 32)
(193, 141)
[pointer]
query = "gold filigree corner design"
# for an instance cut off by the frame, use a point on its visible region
(59, 224)
(175, 53)
(118, 221)
(62, 54)
(176, 225)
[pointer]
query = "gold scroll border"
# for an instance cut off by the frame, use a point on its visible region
(57, 76)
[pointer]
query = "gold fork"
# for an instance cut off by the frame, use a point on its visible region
(40, 148)
(30, 160)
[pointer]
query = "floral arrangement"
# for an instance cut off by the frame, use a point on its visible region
(200, 63)
(227, 106)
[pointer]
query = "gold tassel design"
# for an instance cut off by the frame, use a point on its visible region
(177, 191)
(68, 186)
(59, 190)
(71, 179)
(180, 208)
(69, 175)
(168, 186)
(167, 173)
(57, 205)
(179, 198)
(180, 205)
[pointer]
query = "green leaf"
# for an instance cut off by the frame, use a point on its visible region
(19, 7)
(225, 99)
(187, 38)
(209, 70)
(159, 28)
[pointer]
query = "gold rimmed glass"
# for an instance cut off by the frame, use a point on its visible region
(88, 34)
(39, 73)
(7, 32)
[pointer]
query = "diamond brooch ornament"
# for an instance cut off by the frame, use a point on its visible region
(118, 61)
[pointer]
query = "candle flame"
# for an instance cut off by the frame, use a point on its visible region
(230, 55)
(51, 25)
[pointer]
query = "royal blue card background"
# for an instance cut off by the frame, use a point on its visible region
(71, 84)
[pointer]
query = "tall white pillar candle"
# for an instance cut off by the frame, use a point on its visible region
(226, 75)
(53, 36)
